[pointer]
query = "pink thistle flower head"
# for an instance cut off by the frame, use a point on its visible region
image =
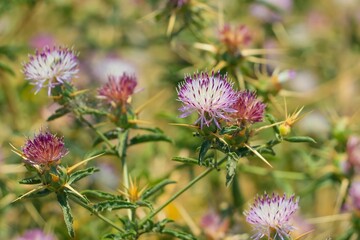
(118, 90)
(51, 67)
(353, 151)
(235, 39)
(248, 108)
(36, 234)
(270, 216)
(44, 149)
(211, 96)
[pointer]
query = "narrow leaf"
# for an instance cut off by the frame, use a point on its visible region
(65, 206)
(76, 176)
(6, 69)
(101, 195)
(186, 160)
(112, 134)
(113, 204)
(58, 113)
(31, 180)
(272, 120)
(151, 191)
(145, 204)
(205, 146)
(149, 138)
(300, 139)
(229, 130)
(231, 165)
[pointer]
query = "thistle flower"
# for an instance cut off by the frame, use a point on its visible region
(44, 149)
(235, 39)
(211, 96)
(248, 108)
(51, 67)
(118, 90)
(36, 234)
(270, 216)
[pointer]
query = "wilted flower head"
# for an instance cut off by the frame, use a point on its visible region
(118, 90)
(235, 39)
(51, 67)
(248, 108)
(36, 234)
(270, 216)
(44, 149)
(353, 151)
(211, 96)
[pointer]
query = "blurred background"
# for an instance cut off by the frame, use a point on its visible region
(160, 41)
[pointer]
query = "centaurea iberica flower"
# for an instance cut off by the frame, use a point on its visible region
(248, 108)
(44, 149)
(211, 96)
(270, 216)
(51, 67)
(118, 90)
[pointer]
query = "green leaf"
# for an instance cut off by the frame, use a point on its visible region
(300, 139)
(7, 69)
(65, 206)
(272, 120)
(76, 176)
(153, 130)
(113, 204)
(58, 113)
(230, 130)
(145, 204)
(31, 180)
(186, 160)
(151, 191)
(112, 134)
(39, 193)
(231, 165)
(178, 234)
(101, 195)
(149, 138)
(205, 146)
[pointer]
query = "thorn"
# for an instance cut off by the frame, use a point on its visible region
(258, 154)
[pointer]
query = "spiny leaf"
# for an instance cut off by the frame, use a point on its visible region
(76, 176)
(230, 130)
(300, 139)
(272, 120)
(231, 165)
(149, 138)
(151, 191)
(205, 146)
(31, 180)
(114, 204)
(145, 204)
(58, 113)
(65, 206)
(101, 195)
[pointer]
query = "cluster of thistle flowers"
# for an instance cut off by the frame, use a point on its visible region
(211, 96)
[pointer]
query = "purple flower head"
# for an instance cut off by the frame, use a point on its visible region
(44, 149)
(118, 90)
(248, 108)
(270, 216)
(354, 193)
(235, 39)
(36, 234)
(353, 151)
(211, 96)
(51, 67)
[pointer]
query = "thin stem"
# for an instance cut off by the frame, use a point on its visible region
(181, 191)
(84, 205)
(102, 136)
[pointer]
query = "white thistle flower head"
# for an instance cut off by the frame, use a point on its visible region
(270, 216)
(212, 96)
(51, 67)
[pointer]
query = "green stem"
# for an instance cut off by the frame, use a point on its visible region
(121, 151)
(181, 191)
(84, 205)
(106, 140)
